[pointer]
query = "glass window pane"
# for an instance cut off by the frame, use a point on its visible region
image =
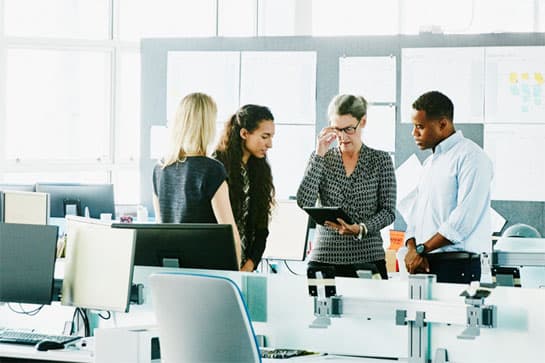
(468, 16)
(354, 17)
(277, 17)
(82, 19)
(57, 104)
(128, 122)
(126, 186)
(166, 18)
(237, 17)
(57, 177)
(503, 16)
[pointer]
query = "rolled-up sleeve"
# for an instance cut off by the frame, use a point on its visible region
(473, 197)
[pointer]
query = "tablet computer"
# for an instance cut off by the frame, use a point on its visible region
(322, 214)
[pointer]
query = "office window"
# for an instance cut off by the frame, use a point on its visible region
(127, 140)
(354, 17)
(277, 17)
(237, 18)
(166, 18)
(57, 104)
(81, 19)
(468, 16)
(98, 177)
(127, 186)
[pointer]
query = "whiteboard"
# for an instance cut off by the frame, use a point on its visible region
(292, 146)
(283, 81)
(456, 72)
(515, 85)
(212, 72)
(517, 153)
(380, 130)
(371, 77)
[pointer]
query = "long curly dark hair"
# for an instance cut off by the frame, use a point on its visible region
(229, 152)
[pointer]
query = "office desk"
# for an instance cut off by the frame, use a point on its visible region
(25, 353)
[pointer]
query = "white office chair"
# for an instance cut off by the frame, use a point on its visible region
(202, 318)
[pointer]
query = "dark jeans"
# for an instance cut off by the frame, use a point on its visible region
(455, 270)
(350, 270)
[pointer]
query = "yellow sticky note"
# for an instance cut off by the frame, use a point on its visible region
(539, 77)
(524, 76)
(513, 77)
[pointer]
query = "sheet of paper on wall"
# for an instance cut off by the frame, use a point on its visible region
(371, 77)
(292, 146)
(407, 177)
(215, 73)
(456, 72)
(283, 81)
(497, 221)
(380, 129)
(517, 154)
(158, 141)
(515, 85)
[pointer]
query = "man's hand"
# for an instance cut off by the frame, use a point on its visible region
(413, 261)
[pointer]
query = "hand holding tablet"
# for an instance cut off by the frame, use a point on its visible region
(322, 214)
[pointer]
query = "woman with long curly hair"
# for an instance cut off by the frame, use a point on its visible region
(243, 149)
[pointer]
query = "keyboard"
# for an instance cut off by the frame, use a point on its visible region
(283, 353)
(31, 338)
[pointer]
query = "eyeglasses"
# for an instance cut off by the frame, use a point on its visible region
(350, 130)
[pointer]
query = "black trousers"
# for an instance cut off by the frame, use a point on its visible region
(455, 267)
(350, 269)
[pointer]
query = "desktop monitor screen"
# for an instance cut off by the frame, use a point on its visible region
(24, 207)
(288, 232)
(27, 262)
(73, 199)
(196, 245)
(99, 265)
(19, 187)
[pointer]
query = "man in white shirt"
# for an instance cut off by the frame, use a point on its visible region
(449, 224)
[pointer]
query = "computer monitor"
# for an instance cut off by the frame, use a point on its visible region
(24, 207)
(99, 265)
(196, 245)
(27, 262)
(288, 232)
(19, 187)
(73, 199)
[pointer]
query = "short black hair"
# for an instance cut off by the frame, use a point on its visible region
(435, 104)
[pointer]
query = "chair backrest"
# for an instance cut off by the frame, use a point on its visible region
(202, 318)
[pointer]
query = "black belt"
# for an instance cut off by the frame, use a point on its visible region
(452, 256)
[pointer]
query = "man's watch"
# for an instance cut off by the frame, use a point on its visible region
(421, 249)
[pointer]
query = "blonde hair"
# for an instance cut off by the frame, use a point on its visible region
(193, 128)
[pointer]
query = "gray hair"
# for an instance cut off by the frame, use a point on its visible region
(340, 105)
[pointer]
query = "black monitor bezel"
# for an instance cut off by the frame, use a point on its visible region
(83, 195)
(202, 253)
(30, 264)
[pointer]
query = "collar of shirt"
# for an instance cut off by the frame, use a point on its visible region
(449, 142)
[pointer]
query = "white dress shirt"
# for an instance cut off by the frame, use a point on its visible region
(453, 197)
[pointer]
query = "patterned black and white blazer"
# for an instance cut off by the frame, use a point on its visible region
(368, 195)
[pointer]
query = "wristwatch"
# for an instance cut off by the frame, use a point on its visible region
(421, 249)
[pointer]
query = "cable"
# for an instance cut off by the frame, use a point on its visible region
(82, 314)
(105, 317)
(271, 267)
(25, 312)
(290, 270)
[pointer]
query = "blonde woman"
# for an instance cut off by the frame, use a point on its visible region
(188, 186)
